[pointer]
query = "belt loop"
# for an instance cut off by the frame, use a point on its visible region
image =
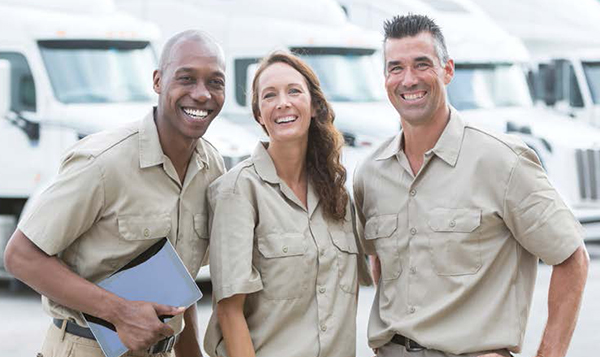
(63, 330)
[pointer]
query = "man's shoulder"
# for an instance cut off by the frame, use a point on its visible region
(97, 144)
(375, 155)
(489, 142)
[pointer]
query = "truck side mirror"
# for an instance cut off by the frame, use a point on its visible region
(4, 87)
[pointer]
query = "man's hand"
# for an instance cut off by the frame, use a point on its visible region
(138, 325)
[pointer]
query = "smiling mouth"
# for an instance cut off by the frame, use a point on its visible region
(196, 114)
(285, 120)
(413, 96)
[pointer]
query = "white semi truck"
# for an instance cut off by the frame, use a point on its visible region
(341, 54)
(562, 37)
(490, 89)
(69, 69)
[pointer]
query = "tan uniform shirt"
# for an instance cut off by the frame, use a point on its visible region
(116, 195)
(458, 242)
(298, 268)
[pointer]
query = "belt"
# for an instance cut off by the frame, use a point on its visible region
(410, 345)
(162, 346)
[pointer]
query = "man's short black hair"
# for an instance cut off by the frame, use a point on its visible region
(411, 25)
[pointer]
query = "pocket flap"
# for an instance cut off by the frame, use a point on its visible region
(144, 227)
(381, 226)
(278, 245)
(344, 241)
(201, 225)
(454, 219)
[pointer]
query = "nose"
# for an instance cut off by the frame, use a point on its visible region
(409, 79)
(200, 92)
(283, 102)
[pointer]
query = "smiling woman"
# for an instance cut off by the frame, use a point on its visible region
(282, 232)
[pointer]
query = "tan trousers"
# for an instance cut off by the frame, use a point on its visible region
(396, 350)
(58, 343)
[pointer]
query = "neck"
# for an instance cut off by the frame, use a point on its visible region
(289, 159)
(422, 137)
(179, 150)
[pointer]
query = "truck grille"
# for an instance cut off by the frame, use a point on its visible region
(588, 172)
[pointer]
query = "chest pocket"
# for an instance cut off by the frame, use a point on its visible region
(347, 255)
(283, 267)
(133, 228)
(201, 226)
(455, 241)
(382, 231)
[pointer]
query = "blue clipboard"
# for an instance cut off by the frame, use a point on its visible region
(157, 275)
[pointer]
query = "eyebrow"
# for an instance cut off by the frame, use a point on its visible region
(294, 84)
(191, 70)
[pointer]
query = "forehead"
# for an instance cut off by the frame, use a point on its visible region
(280, 74)
(409, 48)
(196, 55)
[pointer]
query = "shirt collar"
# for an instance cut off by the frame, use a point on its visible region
(448, 145)
(446, 148)
(151, 153)
(264, 164)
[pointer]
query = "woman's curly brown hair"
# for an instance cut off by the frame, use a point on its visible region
(325, 142)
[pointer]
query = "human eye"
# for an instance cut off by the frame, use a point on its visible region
(268, 95)
(422, 65)
(185, 78)
(218, 83)
(294, 91)
(395, 69)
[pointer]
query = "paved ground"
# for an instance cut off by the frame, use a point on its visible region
(24, 323)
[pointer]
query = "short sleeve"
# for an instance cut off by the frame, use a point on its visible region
(232, 222)
(364, 273)
(359, 214)
(536, 214)
(68, 207)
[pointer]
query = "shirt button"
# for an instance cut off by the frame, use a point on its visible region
(285, 249)
(452, 223)
(323, 252)
(323, 328)
(322, 290)
(411, 310)
(413, 192)
(413, 270)
(146, 232)
(413, 231)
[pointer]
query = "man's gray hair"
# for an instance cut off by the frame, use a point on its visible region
(411, 25)
(195, 35)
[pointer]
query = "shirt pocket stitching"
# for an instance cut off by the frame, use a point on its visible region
(144, 226)
(454, 238)
(346, 259)
(201, 226)
(381, 229)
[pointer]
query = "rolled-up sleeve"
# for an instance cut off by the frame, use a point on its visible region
(232, 270)
(537, 215)
(360, 219)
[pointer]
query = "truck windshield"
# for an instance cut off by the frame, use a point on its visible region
(592, 73)
(99, 71)
(346, 74)
(484, 86)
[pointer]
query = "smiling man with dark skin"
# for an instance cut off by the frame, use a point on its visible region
(118, 193)
(455, 219)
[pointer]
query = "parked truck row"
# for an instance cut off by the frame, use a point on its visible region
(68, 70)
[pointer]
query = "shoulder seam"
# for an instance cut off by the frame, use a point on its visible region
(491, 135)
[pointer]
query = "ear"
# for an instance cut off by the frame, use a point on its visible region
(260, 120)
(448, 71)
(156, 81)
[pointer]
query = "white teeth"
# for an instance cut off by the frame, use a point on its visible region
(195, 113)
(285, 119)
(413, 96)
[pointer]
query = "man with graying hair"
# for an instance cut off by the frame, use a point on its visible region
(118, 193)
(455, 219)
